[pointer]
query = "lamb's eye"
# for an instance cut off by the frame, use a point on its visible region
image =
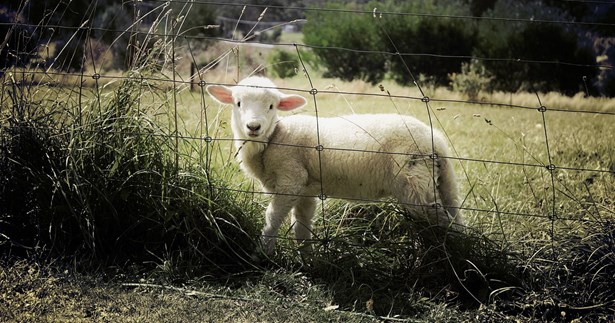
(271, 107)
(239, 104)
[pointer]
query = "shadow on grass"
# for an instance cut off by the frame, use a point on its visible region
(381, 262)
(385, 265)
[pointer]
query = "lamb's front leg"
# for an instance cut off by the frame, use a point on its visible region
(303, 213)
(277, 210)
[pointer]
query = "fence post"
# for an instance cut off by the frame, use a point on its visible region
(193, 76)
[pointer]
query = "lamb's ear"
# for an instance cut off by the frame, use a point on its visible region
(220, 93)
(291, 101)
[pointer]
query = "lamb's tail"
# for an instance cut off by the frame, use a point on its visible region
(449, 191)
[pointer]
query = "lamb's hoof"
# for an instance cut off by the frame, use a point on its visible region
(256, 257)
(260, 255)
(305, 253)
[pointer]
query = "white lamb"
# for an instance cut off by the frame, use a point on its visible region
(357, 157)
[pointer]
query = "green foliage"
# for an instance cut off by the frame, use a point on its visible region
(473, 79)
(525, 55)
(544, 45)
(198, 19)
(310, 59)
(354, 33)
(114, 27)
(69, 57)
(432, 37)
(269, 36)
(390, 33)
(280, 10)
(128, 28)
(283, 64)
(478, 7)
(360, 34)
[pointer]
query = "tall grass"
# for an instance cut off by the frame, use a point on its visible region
(100, 177)
(106, 184)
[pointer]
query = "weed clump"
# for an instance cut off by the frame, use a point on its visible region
(284, 64)
(378, 259)
(106, 184)
(472, 80)
(570, 279)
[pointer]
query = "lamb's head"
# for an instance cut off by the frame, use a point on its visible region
(255, 103)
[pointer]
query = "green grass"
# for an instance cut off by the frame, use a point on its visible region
(121, 188)
(521, 232)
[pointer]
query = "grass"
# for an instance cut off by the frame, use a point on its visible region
(31, 292)
(118, 180)
(513, 229)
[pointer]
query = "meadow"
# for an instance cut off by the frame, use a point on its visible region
(131, 179)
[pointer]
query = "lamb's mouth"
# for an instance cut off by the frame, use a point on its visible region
(253, 134)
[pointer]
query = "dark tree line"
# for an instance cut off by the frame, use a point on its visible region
(520, 53)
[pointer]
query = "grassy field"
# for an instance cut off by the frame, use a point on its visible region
(501, 152)
(148, 220)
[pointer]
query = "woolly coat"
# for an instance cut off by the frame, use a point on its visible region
(358, 157)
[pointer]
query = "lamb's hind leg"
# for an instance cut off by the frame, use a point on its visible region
(303, 213)
(415, 190)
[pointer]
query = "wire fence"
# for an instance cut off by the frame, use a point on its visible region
(179, 47)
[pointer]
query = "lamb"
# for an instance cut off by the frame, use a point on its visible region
(356, 157)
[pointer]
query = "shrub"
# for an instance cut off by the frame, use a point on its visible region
(473, 79)
(269, 36)
(533, 44)
(68, 56)
(110, 24)
(530, 56)
(363, 36)
(354, 33)
(197, 20)
(283, 64)
(435, 39)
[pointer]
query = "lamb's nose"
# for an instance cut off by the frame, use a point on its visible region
(253, 126)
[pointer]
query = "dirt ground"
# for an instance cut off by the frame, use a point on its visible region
(29, 292)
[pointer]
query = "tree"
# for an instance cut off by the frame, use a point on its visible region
(478, 7)
(421, 41)
(534, 56)
(353, 35)
(436, 46)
